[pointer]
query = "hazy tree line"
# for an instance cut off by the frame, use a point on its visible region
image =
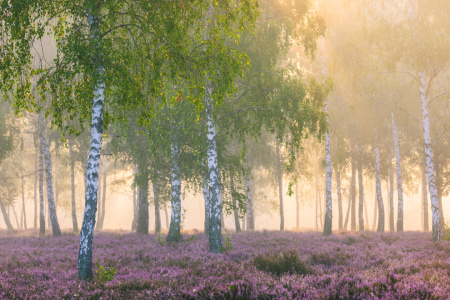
(223, 98)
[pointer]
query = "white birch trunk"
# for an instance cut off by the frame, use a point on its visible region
(215, 234)
(250, 205)
(391, 195)
(329, 202)
(280, 184)
(435, 209)
(399, 176)
(72, 184)
(87, 229)
(361, 189)
(425, 199)
(205, 187)
(48, 175)
(175, 220)
(36, 179)
(380, 227)
(41, 193)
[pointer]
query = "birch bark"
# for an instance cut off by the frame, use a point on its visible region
(391, 194)
(399, 176)
(280, 184)
(250, 205)
(215, 233)
(175, 220)
(380, 227)
(36, 179)
(425, 198)
(41, 193)
(361, 189)
(339, 195)
(435, 208)
(72, 183)
(237, 225)
(48, 175)
(87, 229)
(329, 202)
(205, 187)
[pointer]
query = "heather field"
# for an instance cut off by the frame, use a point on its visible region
(260, 265)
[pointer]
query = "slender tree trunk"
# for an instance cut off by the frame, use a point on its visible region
(205, 186)
(41, 193)
(215, 232)
(339, 195)
(237, 225)
(399, 176)
(87, 229)
(36, 158)
(167, 216)
(329, 202)
(5, 216)
(425, 198)
(56, 179)
(143, 216)
(380, 227)
(348, 209)
(361, 189)
(297, 208)
(435, 208)
(99, 201)
(353, 193)
(15, 215)
(48, 175)
(391, 194)
(72, 184)
(438, 184)
(175, 220)
(157, 208)
(280, 184)
(135, 201)
(250, 205)
(24, 215)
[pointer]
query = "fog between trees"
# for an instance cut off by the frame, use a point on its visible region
(232, 114)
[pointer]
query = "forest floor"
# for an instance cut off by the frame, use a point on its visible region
(255, 265)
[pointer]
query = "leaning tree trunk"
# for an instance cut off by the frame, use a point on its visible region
(399, 176)
(175, 220)
(215, 233)
(87, 229)
(391, 194)
(280, 186)
(250, 205)
(435, 208)
(329, 203)
(72, 183)
(205, 187)
(237, 225)
(353, 193)
(425, 198)
(339, 196)
(48, 175)
(380, 227)
(36, 179)
(5, 216)
(361, 189)
(41, 193)
(157, 209)
(142, 223)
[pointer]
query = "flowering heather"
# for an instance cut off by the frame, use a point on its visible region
(343, 266)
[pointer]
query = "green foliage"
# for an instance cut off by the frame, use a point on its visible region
(281, 263)
(160, 238)
(104, 273)
(227, 245)
(446, 233)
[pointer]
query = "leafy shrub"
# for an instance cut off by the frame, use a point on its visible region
(228, 246)
(103, 273)
(284, 262)
(161, 239)
(446, 233)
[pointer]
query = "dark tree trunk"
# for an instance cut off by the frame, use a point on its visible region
(157, 208)
(353, 193)
(5, 216)
(235, 206)
(142, 224)
(361, 189)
